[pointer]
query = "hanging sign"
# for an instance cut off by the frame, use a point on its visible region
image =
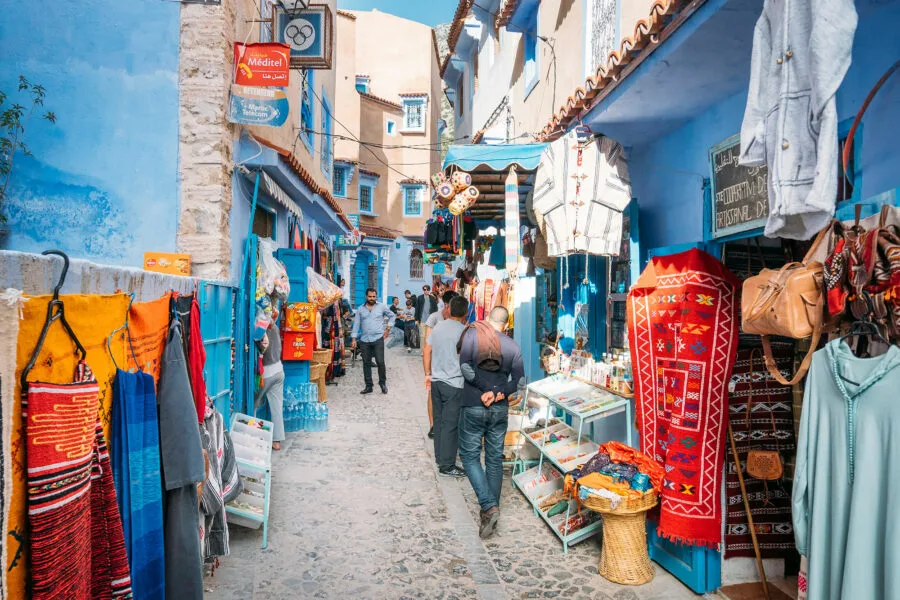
(258, 106)
(298, 346)
(262, 65)
(309, 33)
(168, 263)
(740, 195)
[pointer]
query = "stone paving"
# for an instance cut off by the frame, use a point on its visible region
(359, 512)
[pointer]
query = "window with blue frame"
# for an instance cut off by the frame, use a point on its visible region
(339, 185)
(362, 84)
(414, 114)
(306, 109)
(530, 39)
(365, 198)
(327, 148)
(412, 200)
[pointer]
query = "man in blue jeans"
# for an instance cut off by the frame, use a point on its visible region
(493, 370)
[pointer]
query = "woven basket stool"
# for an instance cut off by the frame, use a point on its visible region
(317, 375)
(624, 558)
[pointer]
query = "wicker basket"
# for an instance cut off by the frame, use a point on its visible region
(317, 375)
(626, 506)
(624, 557)
(322, 356)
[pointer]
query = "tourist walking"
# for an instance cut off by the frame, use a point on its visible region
(492, 367)
(444, 382)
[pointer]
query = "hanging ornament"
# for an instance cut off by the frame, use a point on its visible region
(461, 180)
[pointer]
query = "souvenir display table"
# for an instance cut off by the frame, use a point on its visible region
(562, 448)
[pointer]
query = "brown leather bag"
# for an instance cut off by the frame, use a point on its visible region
(788, 302)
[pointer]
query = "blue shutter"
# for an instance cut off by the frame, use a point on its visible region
(217, 330)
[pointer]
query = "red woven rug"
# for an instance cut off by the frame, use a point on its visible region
(683, 333)
(77, 545)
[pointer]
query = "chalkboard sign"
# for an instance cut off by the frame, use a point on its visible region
(740, 195)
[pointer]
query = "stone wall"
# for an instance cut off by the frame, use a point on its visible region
(206, 137)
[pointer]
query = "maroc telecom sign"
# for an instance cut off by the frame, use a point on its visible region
(262, 65)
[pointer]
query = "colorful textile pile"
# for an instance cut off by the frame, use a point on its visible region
(77, 544)
(618, 469)
(93, 318)
(683, 333)
(135, 458)
(770, 502)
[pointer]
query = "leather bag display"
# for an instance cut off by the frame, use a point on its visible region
(786, 302)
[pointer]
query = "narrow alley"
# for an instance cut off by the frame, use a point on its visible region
(360, 512)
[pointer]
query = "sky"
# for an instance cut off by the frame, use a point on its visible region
(430, 12)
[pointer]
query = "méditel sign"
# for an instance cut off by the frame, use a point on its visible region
(309, 33)
(258, 106)
(262, 65)
(740, 195)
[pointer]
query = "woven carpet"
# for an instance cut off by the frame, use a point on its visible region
(770, 502)
(683, 332)
(77, 546)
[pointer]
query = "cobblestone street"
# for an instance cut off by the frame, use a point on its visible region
(359, 512)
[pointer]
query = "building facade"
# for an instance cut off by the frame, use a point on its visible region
(388, 146)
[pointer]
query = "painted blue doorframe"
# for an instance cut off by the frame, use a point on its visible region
(296, 262)
(217, 330)
(361, 276)
(697, 567)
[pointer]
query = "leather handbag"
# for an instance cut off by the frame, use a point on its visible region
(787, 302)
(765, 465)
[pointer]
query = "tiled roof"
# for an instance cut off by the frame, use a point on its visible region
(647, 36)
(412, 94)
(347, 14)
(378, 232)
(291, 161)
(413, 181)
(507, 8)
(370, 173)
(459, 20)
(348, 161)
(375, 98)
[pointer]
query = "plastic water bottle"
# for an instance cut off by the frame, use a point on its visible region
(304, 418)
(325, 417)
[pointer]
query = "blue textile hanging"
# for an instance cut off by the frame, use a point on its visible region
(497, 256)
(136, 472)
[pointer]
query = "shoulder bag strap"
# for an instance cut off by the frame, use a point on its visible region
(848, 144)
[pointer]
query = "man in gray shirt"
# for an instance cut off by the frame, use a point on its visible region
(445, 380)
(370, 328)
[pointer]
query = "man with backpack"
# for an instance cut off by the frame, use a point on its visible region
(492, 367)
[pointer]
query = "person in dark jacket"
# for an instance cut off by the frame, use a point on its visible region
(483, 418)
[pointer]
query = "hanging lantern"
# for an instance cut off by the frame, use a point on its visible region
(461, 180)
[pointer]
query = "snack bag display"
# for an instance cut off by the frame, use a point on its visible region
(322, 292)
(300, 317)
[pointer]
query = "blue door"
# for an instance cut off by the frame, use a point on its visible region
(296, 261)
(364, 258)
(697, 567)
(217, 330)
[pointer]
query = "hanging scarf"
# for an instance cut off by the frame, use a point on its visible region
(683, 330)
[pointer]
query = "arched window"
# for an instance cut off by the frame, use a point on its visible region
(416, 264)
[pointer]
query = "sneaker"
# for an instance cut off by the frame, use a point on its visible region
(431, 433)
(368, 390)
(453, 471)
(489, 520)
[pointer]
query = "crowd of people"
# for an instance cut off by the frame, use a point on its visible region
(473, 371)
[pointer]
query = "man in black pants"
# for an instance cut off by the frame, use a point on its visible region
(370, 329)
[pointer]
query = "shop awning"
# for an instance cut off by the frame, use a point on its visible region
(489, 166)
(495, 157)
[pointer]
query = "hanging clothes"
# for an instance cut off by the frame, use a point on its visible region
(580, 192)
(333, 338)
(183, 467)
(9, 332)
(136, 471)
(77, 543)
(847, 478)
(148, 323)
(196, 357)
(222, 486)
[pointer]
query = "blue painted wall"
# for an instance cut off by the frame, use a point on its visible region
(398, 271)
(103, 183)
(240, 217)
(667, 174)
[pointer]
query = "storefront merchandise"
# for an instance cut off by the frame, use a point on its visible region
(580, 191)
(845, 486)
(762, 419)
(683, 330)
